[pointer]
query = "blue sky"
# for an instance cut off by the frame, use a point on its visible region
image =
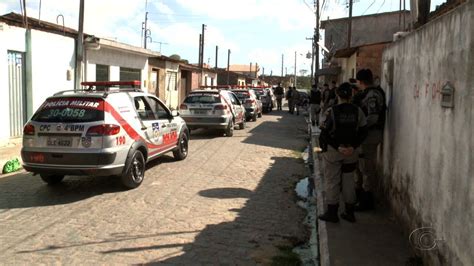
(255, 30)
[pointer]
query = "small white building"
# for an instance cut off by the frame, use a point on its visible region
(39, 61)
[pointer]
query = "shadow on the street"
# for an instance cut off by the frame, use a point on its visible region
(269, 219)
(24, 190)
(287, 133)
(115, 237)
(226, 193)
(202, 133)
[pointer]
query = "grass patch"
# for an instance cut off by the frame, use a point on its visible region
(286, 257)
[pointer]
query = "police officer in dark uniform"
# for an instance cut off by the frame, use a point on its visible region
(371, 99)
(279, 92)
(342, 132)
(315, 101)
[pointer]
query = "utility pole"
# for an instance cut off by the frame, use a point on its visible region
(312, 56)
(295, 70)
(217, 54)
(145, 30)
(228, 69)
(200, 50)
(316, 40)
(79, 46)
(25, 17)
(404, 8)
(202, 45)
(282, 56)
(349, 30)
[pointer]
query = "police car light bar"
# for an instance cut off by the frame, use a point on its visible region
(132, 83)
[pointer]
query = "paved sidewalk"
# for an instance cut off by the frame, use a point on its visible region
(375, 239)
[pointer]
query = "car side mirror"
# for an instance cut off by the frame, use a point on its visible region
(174, 113)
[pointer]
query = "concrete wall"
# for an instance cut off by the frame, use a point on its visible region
(195, 81)
(347, 65)
(427, 155)
(52, 56)
(12, 38)
(371, 57)
(363, 30)
(116, 59)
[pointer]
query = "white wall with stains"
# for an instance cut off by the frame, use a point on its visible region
(427, 156)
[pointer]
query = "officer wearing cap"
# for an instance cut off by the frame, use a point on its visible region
(371, 99)
(342, 132)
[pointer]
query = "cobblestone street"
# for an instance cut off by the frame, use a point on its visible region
(230, 202)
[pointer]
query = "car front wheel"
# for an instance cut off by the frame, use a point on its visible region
(135, 173)
(52, 179)
(182, 151)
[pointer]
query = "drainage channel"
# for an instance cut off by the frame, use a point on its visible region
(308, 252)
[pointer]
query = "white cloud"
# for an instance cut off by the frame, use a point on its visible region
(163, 8)
(287, 14)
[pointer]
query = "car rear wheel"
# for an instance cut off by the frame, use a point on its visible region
(229, 131)
(260, 114)
(135, 173)
(182, 151)
(254, 117)
(242, 124)
(52, 179)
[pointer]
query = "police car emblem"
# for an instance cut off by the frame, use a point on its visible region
(156, 129)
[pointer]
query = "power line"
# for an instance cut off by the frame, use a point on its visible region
(368, 7)
(383, 3)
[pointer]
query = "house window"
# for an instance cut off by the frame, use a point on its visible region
(102, 73)
(127, 74)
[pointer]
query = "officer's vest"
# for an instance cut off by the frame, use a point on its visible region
(346, 124)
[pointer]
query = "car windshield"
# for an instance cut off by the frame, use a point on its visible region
(70, 110)
(242, 95)
(207, 98)
(260, 92)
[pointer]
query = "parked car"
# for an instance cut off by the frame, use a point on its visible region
(253, 106)
(101, 132)
(267, 98)
(213, 108)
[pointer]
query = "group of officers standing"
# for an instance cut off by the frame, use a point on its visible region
(352, 119)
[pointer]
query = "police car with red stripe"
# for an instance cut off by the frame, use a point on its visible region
(103, 130)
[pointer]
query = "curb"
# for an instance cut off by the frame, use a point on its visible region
(324, 256)
(322, 230)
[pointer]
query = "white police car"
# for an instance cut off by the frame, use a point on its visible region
(104, 131)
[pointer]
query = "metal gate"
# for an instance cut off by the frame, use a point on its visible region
(17, 93)
(171, 89)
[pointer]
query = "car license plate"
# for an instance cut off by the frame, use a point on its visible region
(200, 112)
(59, 141)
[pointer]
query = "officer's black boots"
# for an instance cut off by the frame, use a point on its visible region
(366, 202)
(331, 214)
(348, 214)
(359, 192)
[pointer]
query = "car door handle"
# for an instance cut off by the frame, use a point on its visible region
(144, 128)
